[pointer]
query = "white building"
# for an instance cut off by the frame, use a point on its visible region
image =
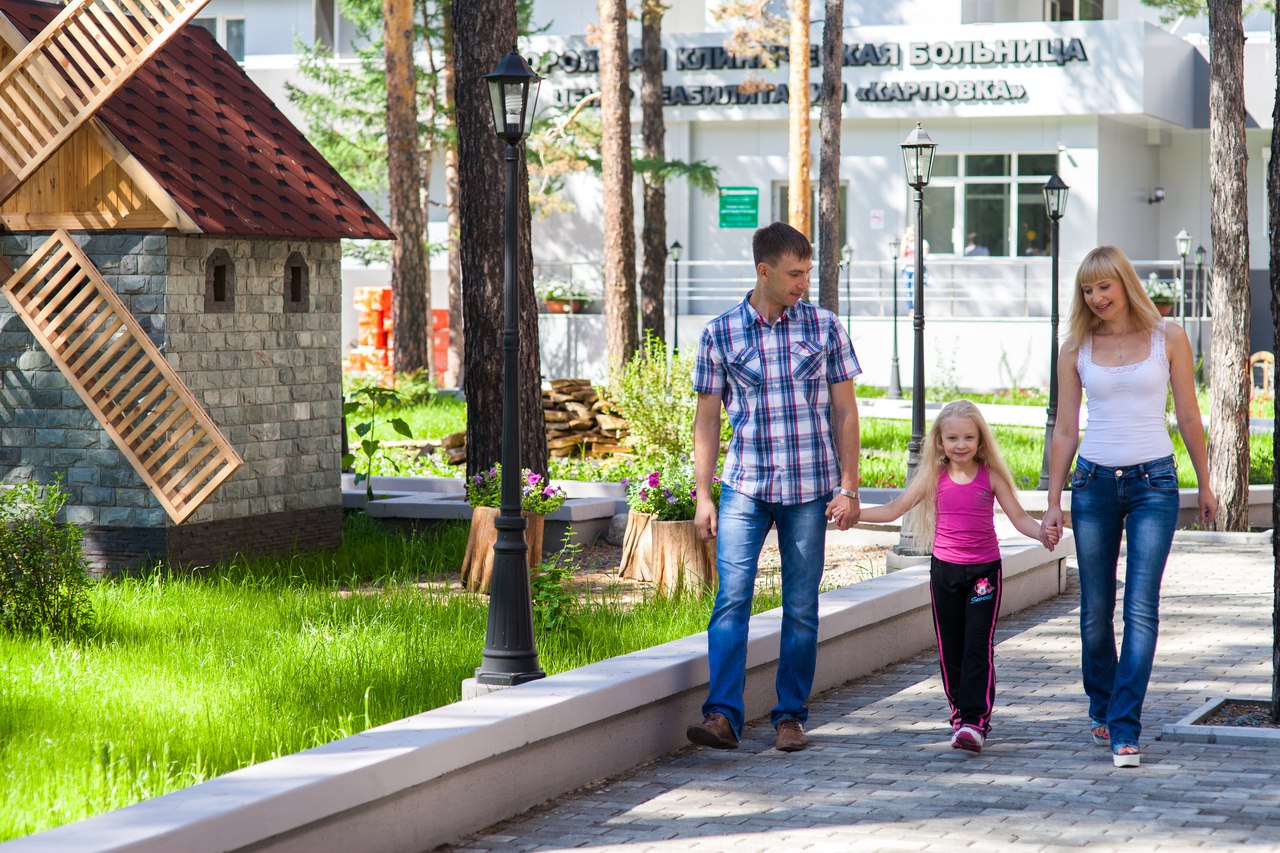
(1011, 90)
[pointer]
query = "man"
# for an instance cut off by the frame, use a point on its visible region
(783, 369)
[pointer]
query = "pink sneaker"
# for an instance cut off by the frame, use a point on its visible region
(968, 738)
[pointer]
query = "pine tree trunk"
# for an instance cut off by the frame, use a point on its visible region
(1228, 156)
(1273, 235)
(800, 194)
(619, 211)
(653, 130)
(453, 368)
(829, 159)
(410, 299)
(481, 183)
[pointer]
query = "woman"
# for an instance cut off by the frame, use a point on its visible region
(1126, 357)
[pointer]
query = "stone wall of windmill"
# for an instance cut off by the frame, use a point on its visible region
(252, 328)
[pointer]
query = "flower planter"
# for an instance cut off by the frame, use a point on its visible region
(1165, 308)
(477, 562)
(566, 306)
(668, 554)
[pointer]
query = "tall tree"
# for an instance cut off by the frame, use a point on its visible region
(829, 158)
(619, 211)
(653, 130)
(1273, 241)
(1229, 290)
(799, 104)
(453, 368)
(410, 295)
(491, 29)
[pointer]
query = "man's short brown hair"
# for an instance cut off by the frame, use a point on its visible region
(771, 242)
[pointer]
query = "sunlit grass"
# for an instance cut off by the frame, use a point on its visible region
(187, 677)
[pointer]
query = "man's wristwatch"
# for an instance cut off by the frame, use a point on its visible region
(848, 493)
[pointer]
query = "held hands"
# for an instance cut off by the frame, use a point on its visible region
(1049, 536)
(1051, 527)
(844, 511)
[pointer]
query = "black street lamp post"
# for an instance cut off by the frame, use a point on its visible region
(917, 157)
(895, 380)
(1055, 202)
(846, 261)
(676, 250)
(1198, 293)
(510, 656)
(1183, 243)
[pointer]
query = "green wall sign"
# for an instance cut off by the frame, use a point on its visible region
(739, 207)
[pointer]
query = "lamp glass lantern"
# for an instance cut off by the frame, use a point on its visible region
(1183, 242)
(893, 246)
(676, 250)
(513, 91)
(1055, 196)
(917, 156)
(1200, 255)
(846, 253)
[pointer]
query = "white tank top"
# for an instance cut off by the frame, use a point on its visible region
(1126, 407)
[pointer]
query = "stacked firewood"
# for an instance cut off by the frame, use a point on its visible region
(577, 424)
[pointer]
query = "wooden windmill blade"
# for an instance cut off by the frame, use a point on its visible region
(61, 78)
(120, 375)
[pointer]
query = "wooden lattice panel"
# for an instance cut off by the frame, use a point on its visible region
(59, 80)
(140, 401)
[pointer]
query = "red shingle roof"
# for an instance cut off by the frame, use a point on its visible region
(219, 146)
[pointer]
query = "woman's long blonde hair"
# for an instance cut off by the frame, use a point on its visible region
(1108, 262)
(923, 519)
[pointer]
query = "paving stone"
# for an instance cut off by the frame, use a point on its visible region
(881, 775)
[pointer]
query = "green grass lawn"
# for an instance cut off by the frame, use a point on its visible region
(186, 678)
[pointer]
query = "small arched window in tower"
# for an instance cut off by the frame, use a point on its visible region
(219, 283)
(297, 285)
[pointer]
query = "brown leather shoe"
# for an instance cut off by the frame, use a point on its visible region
(714, 731)
(791, 736)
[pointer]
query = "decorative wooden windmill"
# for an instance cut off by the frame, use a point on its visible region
(106, 131)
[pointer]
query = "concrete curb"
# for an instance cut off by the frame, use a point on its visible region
(424, 780)
(1190, 730)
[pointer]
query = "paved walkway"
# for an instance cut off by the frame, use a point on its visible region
(881, 775)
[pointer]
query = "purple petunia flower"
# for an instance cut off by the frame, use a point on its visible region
(653, 479)
(693, 493)
(671, 500)
(534, 479)
(478, 478)
(550, 491)
(644, 494)
(626, 481)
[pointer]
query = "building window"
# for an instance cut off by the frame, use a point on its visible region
(988, 204)
(227, 31)
(325, 13)
(297, 285)
(219, 283)
(781, 203)
(1073, 10)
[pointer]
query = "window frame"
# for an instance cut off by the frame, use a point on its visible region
(226, 305)
(1010, 182)
(295, 261)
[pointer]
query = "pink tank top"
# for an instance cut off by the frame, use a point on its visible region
(966, 527)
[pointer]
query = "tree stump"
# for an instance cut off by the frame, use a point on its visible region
(635, 547)
(668, 554)
(477, 562)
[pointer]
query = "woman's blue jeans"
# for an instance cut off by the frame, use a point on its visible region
(802, 535)
(1141, 501)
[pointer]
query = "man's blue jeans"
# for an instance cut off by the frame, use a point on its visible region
(1141, 501)
(802, 534)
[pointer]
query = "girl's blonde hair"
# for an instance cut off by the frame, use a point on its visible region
(1101, 264)
(923, 519)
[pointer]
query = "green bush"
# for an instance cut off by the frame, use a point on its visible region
(43, 573)
(654, 392)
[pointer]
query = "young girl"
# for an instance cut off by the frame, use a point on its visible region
(961, 474)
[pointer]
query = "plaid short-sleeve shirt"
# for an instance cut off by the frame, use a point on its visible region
(774, 381)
